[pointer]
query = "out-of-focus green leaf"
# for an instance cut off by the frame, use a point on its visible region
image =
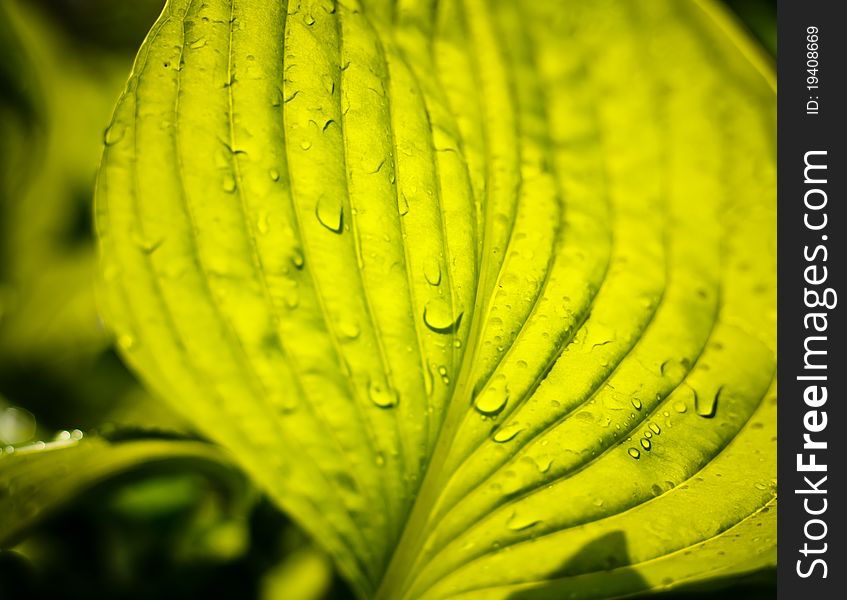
(55, 98)
(482, 293)
(47, 304)
(37, 479)
(304, 575)
(105, 24)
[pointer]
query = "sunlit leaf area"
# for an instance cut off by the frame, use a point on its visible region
(387, 299)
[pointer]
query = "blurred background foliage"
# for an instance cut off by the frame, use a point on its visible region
(162, 532)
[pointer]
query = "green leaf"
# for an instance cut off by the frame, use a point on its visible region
(50, 143)
(37, 479)
(481, 293)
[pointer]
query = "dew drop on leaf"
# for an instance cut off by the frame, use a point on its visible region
(707, 406)
(262, 223)
(228, 184)
(349, 329)
(438, 316)
(114, 133)
(636, 403)
(292, 299)
(428, 383)
(493, 398)
(382, 395)
(634, 453)
(297, 259)
(432, 272)
(674, 370)
(544, 466)
(646, 444)
(274, 174)
(16, 425)
(518, 522)
(655, 428)
(507, 432)
(330, 214)
(127, 342)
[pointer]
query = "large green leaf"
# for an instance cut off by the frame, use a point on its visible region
(481, 293)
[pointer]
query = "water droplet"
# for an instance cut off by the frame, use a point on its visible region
(17, 425)
(126, 341)
(76, 434)
(674, 370)
(646, 444)
(62, 436)
(507, 432)
(228, 184)
(349, 329)
(274, 174)
(114, 133)
(297, 258)
(146, 245)
(382, 395)
(309, 20)
(518, 523)
(402, 204)
(493, 398)
(428, 383)
(305, 145)
(634, 453)
(262, 223)
(432, 272)
(330, 214)
(198, 44)
(544, 465)
(636, 403)
(679, 407)
(438, 316)
(292, 299)
(760, 486)
(706, 407)
(655, 428)
(457, 343)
